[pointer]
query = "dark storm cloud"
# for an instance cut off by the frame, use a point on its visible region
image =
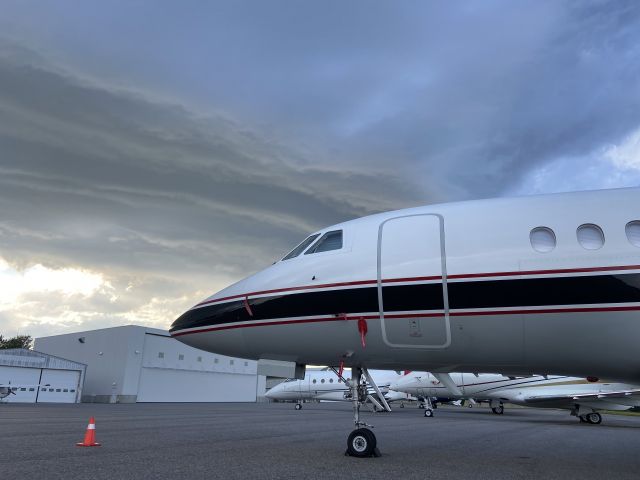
(114, 178)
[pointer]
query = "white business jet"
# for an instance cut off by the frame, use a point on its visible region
(325, 385)
(546, 284)
(579, 395)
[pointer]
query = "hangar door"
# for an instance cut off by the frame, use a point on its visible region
(62, 386)
(169, 385)
(24, 379)
(412, 282)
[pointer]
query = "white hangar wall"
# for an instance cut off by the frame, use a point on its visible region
(140, 364)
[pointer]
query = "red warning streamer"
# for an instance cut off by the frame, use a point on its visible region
(247, 307)
(362, 328)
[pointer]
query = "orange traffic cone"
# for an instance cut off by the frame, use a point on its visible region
(90, 435)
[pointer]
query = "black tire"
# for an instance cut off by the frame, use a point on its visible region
(361, 443)
(298, 406)
(594, 418)
(499, 410)
(428, 413)
(582, 419)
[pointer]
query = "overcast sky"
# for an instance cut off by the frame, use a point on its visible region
(153, 152)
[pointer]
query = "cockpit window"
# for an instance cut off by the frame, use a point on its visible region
(329, 241)
(300, 248)
(288, 380)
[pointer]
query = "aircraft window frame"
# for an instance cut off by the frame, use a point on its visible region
(632, 230)
(314, 248)
(590, 236)
(301, 247)
(543, 239)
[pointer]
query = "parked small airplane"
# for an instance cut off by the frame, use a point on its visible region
(544, 284)
(326, 385)
(579, 395)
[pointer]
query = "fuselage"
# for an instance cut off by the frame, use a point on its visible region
(547, 284)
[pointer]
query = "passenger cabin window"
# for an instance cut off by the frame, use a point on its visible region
(590, 236)
(633, 232)
(329, 241)
(301, 248)
(542, 239)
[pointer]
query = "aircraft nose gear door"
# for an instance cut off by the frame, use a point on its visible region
(412, 282)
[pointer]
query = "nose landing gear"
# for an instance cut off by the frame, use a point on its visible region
(362, 441)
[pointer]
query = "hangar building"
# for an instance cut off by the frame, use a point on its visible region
(38, 378)
(139, 364)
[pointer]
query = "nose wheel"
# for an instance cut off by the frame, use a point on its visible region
(361, 442)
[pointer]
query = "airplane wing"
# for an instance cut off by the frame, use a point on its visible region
(604, 399)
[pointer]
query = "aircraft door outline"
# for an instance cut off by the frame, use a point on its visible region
(414, 329)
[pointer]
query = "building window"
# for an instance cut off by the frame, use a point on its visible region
(72, 390)
(590, 236)
(58, 390)
(32, 389)
(215, 360)
(180, 357)
(231, 362)
(542, 239)
(23, 389)
(246, 364)
(633, 232)
(160, 354)
(65, 389)
(199, 359)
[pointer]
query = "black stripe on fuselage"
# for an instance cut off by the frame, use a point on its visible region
(523, 292)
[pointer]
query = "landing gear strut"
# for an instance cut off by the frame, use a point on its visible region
(361, 442)
(428, 408)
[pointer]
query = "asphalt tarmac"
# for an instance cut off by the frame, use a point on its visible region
(273, 441)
